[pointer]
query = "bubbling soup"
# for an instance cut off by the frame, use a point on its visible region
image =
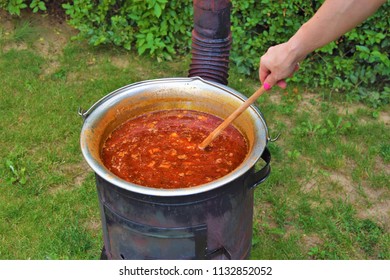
(160, 149)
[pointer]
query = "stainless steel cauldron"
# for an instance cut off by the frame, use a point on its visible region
(210, 221)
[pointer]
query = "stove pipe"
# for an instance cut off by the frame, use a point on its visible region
(211, 40)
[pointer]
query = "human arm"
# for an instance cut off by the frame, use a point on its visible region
(333, 19)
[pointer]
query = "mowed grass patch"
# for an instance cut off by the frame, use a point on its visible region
(48, 199)
(328, 192)
(327, 196)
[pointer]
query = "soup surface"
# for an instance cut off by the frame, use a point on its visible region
(160, 149)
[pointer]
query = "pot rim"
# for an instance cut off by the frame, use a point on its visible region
(104, 173)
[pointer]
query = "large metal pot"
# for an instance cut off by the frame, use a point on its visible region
(213, 220)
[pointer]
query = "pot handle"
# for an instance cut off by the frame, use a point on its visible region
(260, 176)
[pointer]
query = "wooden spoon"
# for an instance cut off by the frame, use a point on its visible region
(231, 118)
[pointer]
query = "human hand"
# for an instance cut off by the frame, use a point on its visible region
(277, 64)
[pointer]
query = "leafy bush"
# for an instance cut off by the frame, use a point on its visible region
(158, 27)
(356, 63)
(15, 6)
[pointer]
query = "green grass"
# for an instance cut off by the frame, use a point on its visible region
(327, 196)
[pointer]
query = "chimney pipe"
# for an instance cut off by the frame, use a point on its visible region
(211, 40)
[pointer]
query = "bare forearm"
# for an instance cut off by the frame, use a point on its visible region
(333, 19)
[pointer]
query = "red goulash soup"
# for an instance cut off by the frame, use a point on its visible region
(160, 149)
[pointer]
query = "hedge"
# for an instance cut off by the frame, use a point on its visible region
(356, 63)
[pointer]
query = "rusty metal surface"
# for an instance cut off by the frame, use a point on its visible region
(212, 225)
(212, 18)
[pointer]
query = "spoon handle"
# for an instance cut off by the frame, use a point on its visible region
(231, 118)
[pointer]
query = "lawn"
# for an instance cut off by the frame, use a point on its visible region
(328, 196)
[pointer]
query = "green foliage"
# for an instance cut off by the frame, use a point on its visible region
(160, 28)
(293, 155)
(37, 5)
(15, 167)
(385, 152)
(15, 6)
(356, 64)
(17, 173)
(328, 128)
